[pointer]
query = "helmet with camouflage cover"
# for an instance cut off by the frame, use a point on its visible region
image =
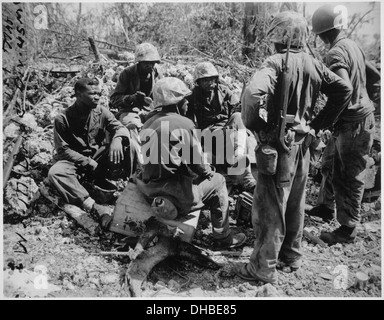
(204, 70)
(146, 52)
(329, 17)
(168, 91)
(289, 24)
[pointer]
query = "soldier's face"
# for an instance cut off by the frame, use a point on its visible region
(324, 38)
(207, 84)
(90, 96)
(147, 66)
(183, 107)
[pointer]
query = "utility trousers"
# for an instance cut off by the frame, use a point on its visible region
(278, 218)
(353, 142)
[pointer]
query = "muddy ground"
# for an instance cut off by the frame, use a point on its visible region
(60, 249)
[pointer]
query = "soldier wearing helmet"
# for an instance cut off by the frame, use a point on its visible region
(173, 164)
(278, 210)
(353, 129)
(132, 96)
(214, 108)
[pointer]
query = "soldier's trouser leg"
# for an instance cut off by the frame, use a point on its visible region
(63, 175)
(134, 124)
(326, 193)
(214, 195)
(238, 147)
(351, 154)
(278, 218)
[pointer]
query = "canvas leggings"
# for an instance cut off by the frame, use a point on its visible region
(278, 219)
(352, 146)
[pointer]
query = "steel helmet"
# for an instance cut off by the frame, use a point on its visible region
(168, 91)
(289, 24)
(329, 17)
(204, 70)
(146, 52)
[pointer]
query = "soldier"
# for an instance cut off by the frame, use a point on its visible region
(215, 108)
(132, 96)
(82, 149)
(325, 208)
(174, 167)
(355, 126)
(292, 80)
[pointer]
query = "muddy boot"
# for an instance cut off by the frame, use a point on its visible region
(103, 215)
(322, 212)
(230, 242)
(287, 266)
(241, 270)
(342, 234)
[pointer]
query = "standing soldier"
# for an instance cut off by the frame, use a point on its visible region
(132, 96)
(277, 104)
(355, 126)
(215, 109)
(174, 167)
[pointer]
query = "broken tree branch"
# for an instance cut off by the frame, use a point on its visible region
(11, 160)
(94, 49)
(314, 238)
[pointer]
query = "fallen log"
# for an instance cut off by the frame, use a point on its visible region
(158, 238)
(166, 246)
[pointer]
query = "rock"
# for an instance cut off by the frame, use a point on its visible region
(226, 284)
(268, 290)
(109, 278)
(95, 281)
(298, 286)
(326, 276)
(66, 240)
(196, 292)
(12, 131)
(70, 286)
(160, 285)
(173, 285)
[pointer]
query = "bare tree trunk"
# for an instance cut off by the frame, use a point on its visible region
(251, 10)
(78, 18)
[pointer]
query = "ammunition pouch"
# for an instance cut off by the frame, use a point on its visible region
(266, 159)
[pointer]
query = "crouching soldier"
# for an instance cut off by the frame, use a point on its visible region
(82, 149)
(291, 80)
(174, 167)
(132, 96)
(216, 111)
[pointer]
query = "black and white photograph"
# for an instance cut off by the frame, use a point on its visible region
(220, 151)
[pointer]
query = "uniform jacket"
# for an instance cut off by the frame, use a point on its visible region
(76, 142)
(308, 77)
(215, 112)
(128, 84)
(345, 53)
(165, 171)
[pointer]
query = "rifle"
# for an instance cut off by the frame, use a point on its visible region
(283, 175)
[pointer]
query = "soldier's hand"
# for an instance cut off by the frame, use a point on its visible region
(325, 136)
(147, 101)
(93, 164)
(116, 150)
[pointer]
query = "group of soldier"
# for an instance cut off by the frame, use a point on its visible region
(155, 139)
